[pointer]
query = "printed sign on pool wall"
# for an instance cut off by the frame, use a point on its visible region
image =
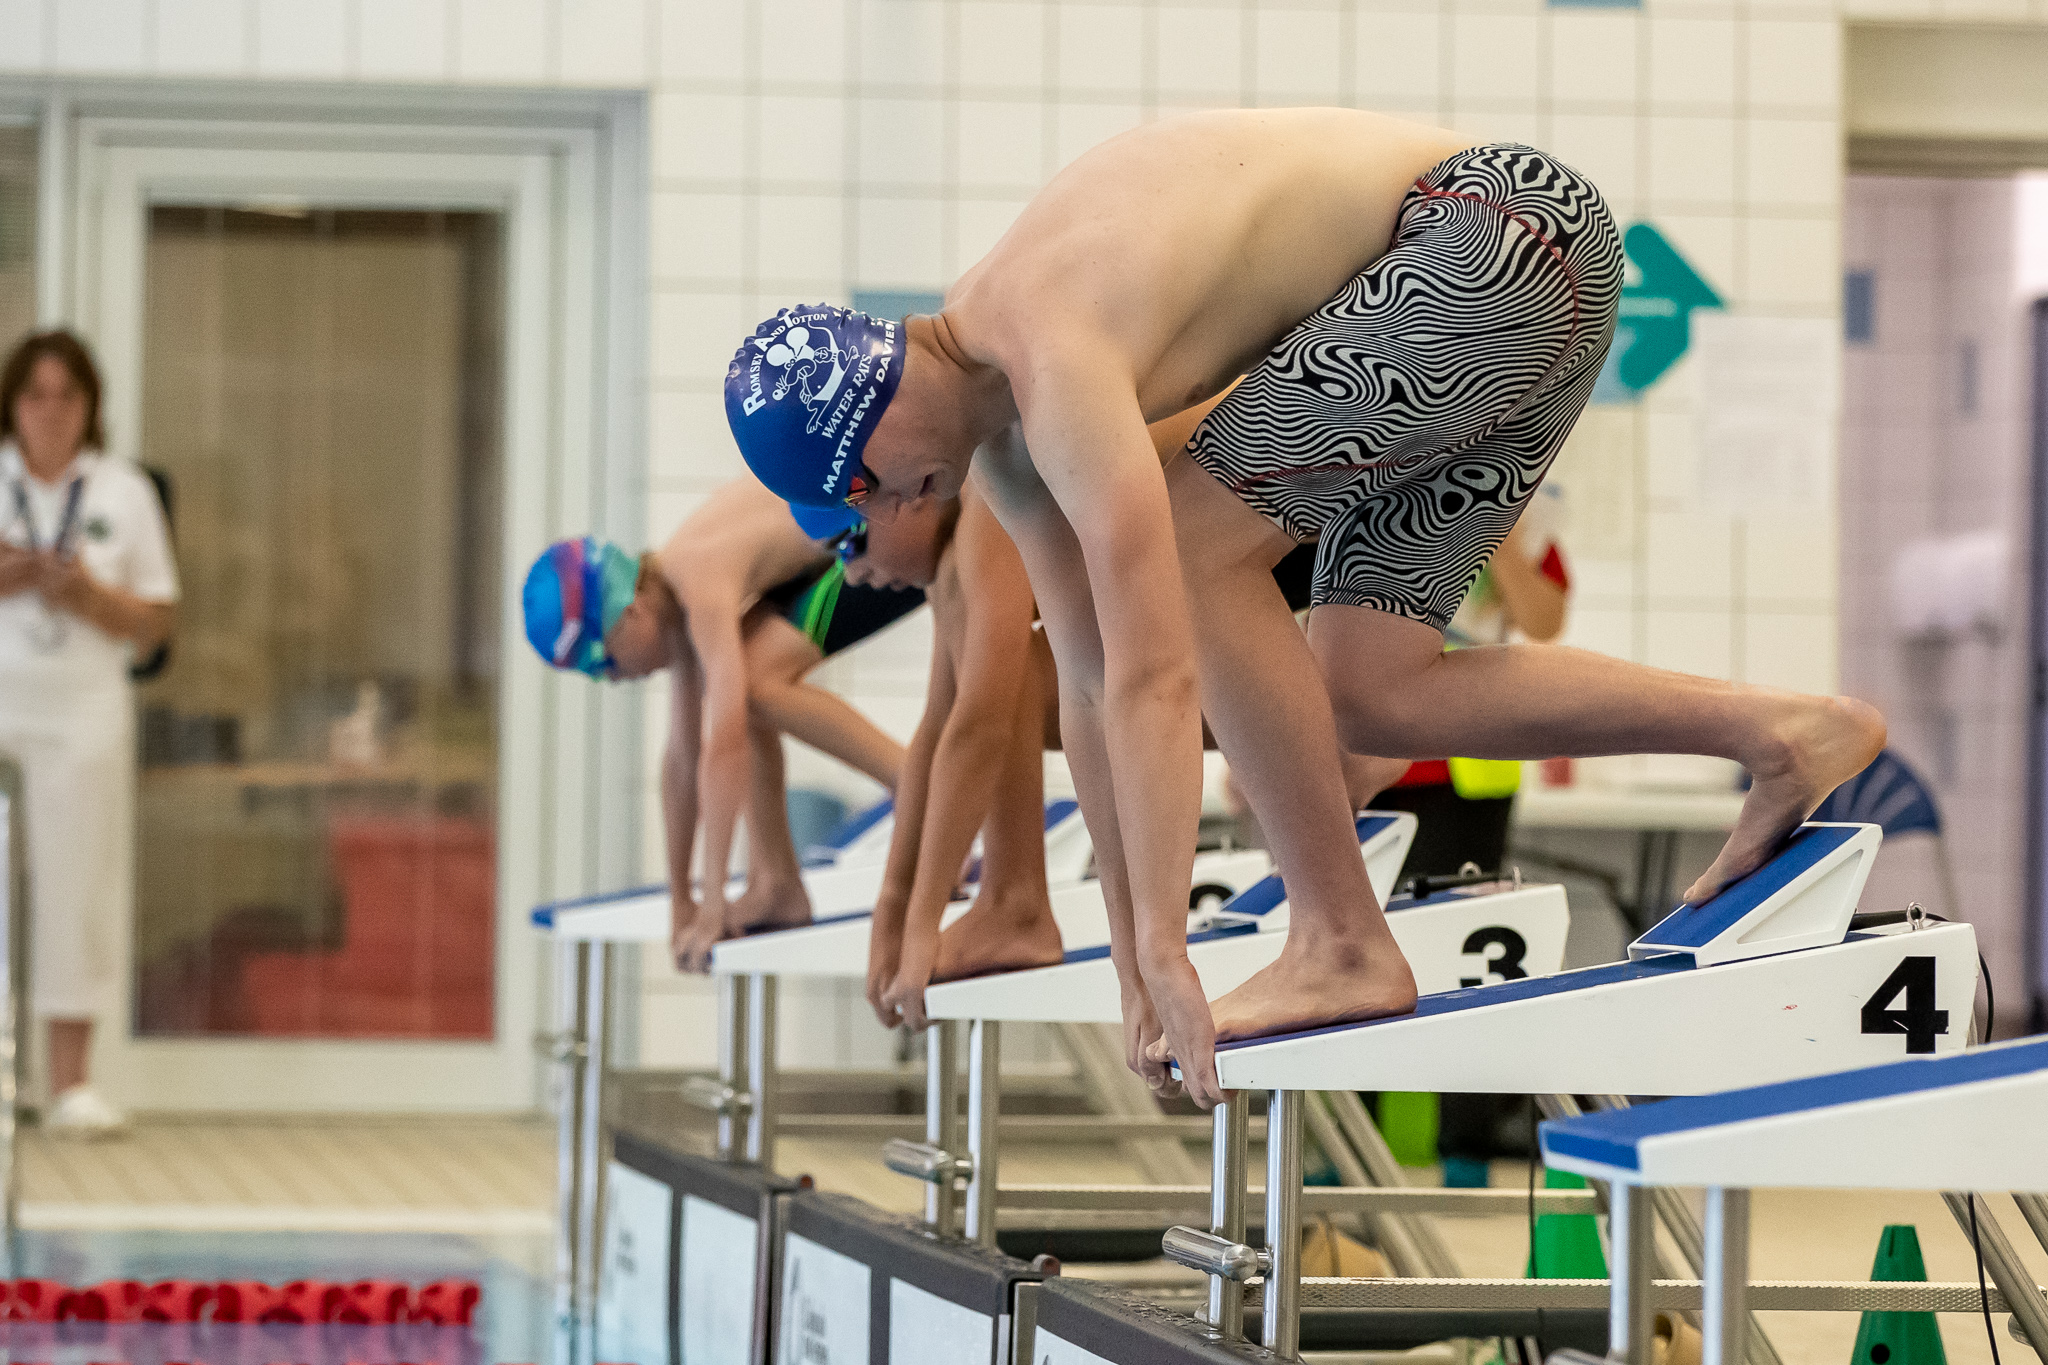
(1659, 292)
(632, 1302)
(923, 1326)
(824, 1306)
(717, 1291)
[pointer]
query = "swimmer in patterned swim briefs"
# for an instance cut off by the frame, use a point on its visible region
(1417, 322)
(739, 605)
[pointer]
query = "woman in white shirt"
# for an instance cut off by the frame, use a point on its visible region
(86, 579)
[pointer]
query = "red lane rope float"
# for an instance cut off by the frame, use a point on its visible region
(443, 1303)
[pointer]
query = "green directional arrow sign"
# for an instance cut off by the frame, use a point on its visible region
(1657, 298)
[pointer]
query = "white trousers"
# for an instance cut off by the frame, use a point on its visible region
(77, 750)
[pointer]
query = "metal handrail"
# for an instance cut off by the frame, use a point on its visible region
(14, 1009)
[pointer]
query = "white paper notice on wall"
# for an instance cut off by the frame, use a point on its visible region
(632, 1303)
(824, 1305)
(1766, 414)
(717, 1289)
(923, 1326)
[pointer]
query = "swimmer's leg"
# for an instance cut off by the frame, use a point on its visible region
(775, 897)
(1260, 692)
(778, 657)
(1396, 691)
(1010, 926)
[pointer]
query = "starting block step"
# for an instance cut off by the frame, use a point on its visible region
(1968, 1121)
(1462, 936)
(686, 1273)
(871, 1288)
(861, 837)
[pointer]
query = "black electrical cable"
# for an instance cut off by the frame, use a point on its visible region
(1983, 1293)
(1990, 999)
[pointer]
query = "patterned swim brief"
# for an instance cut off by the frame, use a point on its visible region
(1404, 424)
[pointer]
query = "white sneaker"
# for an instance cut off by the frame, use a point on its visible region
(80, 1113)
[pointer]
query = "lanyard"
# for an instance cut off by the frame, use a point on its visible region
(72, 496)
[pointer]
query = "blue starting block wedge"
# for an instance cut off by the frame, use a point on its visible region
(861, 837)
(1384, 838)
(1462, 936)
(1967, 1121)
(1801, 898)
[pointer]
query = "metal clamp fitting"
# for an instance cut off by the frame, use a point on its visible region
(708, 1092)
(923, 1161)
(561, 1047)
(1213, 1255)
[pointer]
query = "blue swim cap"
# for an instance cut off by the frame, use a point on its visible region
(805, 392)
(573, 597)
(823, 523)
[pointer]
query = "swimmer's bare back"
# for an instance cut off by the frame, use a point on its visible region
(1182, 250)
(738, 543)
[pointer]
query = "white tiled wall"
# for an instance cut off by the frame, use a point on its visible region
(1918, 461)
(806, 148)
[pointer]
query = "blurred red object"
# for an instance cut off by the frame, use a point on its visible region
(243, 1301)
(1557, 772)
(34, 1300)
(108, 1301)
(376, 1302)
(446, 1303)
(175, 1301)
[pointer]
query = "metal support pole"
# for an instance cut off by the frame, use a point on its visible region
(570, 1051)
(2005, 1268)
(984, 1108)
(1724, 1316)
(761, 1070)
(1416, 1238)
(1281, 1309)
(1227, 1156)
(1631, 1227)
(592, 1118)
(2034, 1208)
(732, 1061)
(941, 1117)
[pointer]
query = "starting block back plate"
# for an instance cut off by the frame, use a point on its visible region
(1658, 1026)
(1802, 898)
(1967, 1121)
(685, 1251)
(864, 1287)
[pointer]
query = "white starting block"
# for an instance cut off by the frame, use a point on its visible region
(862, 837)
(1765, 982)
(1966, 1121)
(1463, 935)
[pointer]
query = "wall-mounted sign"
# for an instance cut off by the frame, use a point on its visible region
(1658, 295)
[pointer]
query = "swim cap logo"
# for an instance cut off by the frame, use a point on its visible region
(806, 360)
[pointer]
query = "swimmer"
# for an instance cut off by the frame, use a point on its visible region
(975, 763)
(739, 605)
(1418, 321)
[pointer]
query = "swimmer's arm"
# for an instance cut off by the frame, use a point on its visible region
(913, 784)
(679, 780)
(994, 652)
(1088, 443)
(725, 764)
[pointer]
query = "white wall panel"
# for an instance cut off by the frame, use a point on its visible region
(407, 40)
(203, 37)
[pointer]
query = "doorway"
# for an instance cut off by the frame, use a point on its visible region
(369, 364)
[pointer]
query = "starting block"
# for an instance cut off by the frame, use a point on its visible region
(1966, 1121)
(1766, 982)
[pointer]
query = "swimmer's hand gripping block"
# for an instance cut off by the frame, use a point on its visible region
(1802, 898)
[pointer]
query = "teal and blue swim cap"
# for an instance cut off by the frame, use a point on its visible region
(573, 597)
(805, 392)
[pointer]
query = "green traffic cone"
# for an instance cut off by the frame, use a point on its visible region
(1566, 1245)
(1408, 1122)
(1898, 1338)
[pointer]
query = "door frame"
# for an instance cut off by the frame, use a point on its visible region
(568, 171)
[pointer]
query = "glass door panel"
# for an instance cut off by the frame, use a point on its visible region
(322, 398)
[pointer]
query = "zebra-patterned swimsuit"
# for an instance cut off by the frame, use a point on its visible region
(1404, 424)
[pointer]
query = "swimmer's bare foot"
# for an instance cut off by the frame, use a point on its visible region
(1812, 746)
(999, 934)
(704, 933)
(1315, 982)
(771, 905)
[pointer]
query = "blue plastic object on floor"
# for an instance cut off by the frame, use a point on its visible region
(1465, 1173)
